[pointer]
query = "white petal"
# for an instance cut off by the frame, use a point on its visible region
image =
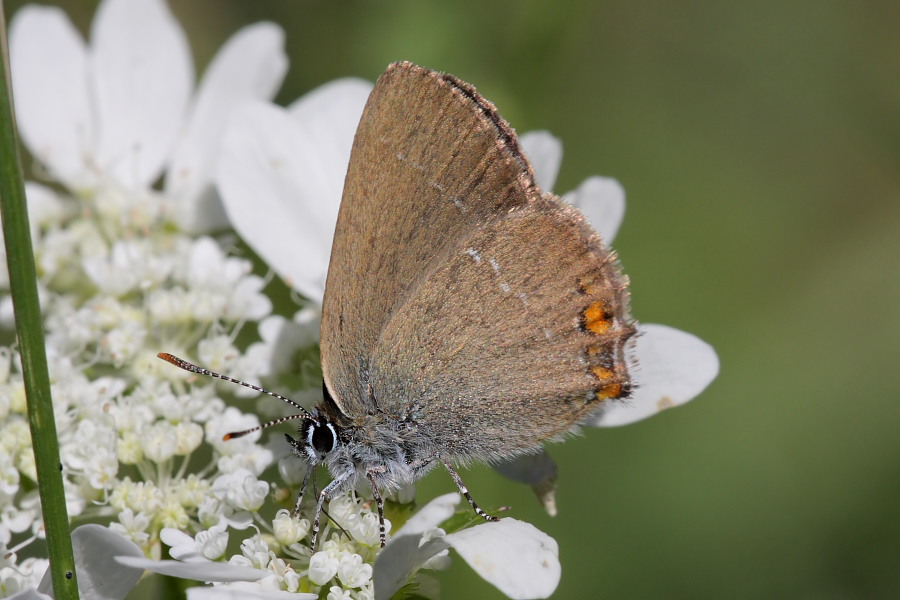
(280, 176)
(430, 516)
(240, 591)
(283, 338)
(402, 555)
(96, 548)
(672, 368)
(182, 547)
(173, 537)
(45, 207)
(251, 65)
(537, 470)
(30, 594)
(143, 77)
(198, 571)
(544, 151)
(521, 560)
(328, 117)
(50, 82)
(602, 200)
(260, 177)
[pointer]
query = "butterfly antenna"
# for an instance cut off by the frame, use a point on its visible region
(237, 434)
(188, 366)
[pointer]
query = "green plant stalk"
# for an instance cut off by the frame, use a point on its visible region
(23, 284)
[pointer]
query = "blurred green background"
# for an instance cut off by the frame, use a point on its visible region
(759, 144)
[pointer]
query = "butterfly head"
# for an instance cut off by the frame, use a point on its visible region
(318, 438)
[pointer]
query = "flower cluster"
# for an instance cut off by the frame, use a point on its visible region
(125, 270)
(342, 566)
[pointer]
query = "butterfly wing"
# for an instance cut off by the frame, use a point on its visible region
(512, 340)
(429, 164)
(459, 298)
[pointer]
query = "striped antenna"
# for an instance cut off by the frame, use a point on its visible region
(237, 434)
(189, 366)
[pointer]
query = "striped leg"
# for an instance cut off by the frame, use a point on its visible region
(309, 471)
(326, 493)
(379, 502)
(465, 492)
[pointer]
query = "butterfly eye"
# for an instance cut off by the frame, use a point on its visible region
(322, 437)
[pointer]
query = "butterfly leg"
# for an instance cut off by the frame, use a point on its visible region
(296, 511)
(465, 492)
(379, 502)
(326, 493)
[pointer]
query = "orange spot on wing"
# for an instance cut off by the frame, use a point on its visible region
(602, 373)
(610, 390)
(596, 319)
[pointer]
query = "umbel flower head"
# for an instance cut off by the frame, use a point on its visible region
(133, 159)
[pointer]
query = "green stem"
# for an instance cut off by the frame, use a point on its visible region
(23, 285)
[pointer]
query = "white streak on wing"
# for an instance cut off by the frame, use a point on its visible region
(474, 254)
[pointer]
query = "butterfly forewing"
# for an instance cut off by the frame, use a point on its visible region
(431, 162)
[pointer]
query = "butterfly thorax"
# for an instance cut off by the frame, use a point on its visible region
(377, 447)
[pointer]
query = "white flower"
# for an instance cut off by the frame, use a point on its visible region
(209, 544)
(352, 572)
(256, 551)
(119, 111)
(133, 526)
(159, 441)
(213, 541)
(124, 342)
(9, 476)
(323, 567)
(220, 286)
(287, 529)
(141, 496)
(130, 264)
(281, 173)
(336, 593)
(357, 519)
(188, 437)
(520, 560)
(241, 489)
(212, 510)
